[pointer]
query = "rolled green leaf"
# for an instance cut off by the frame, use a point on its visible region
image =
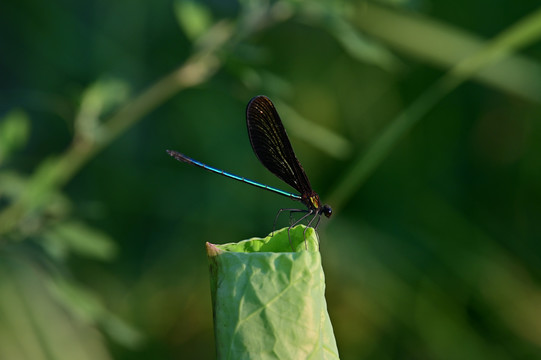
(268, 301)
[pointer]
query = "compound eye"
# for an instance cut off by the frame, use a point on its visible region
(327, 211)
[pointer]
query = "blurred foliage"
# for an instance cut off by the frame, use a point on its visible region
(418, 121)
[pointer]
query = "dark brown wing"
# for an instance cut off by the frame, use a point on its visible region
(271, 145)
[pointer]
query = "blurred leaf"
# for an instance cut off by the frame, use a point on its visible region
(12, 184)
(318, 136)
(78, 238)
(101, 97)
(34, 325)
(82, 303)
(523, 33)
(360, 47)
(122, 332)
(31, 202)
(193, 17)
(14, 129)
(40, 188)
(445, 46)
(271, 82)
(88, 308)
(333, 16)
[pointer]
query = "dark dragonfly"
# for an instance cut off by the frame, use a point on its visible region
(272, 147)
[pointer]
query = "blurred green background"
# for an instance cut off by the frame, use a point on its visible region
(418, 121)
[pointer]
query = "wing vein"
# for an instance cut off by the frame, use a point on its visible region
(271, 145)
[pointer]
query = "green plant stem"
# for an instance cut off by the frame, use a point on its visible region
(196, 70)
(200, 67)
(525, 32)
